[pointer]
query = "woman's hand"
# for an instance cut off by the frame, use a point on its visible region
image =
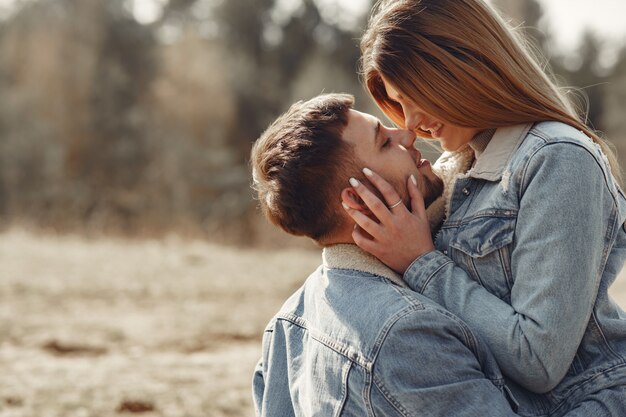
(396, 236)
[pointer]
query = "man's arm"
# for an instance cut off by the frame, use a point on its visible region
(258, 388)
(430, 364)
(261, 374)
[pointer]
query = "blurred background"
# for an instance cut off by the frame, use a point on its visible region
(136, 274)
(136, 117)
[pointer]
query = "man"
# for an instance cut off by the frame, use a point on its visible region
(354, 340)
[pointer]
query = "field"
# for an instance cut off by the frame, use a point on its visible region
(159, 327)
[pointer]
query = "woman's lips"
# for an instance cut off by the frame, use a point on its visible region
(436, 132)
(433, 130)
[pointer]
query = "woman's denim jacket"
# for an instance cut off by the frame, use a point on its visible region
(351, 342)
(534, 237)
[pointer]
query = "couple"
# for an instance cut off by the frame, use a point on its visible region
(506, 311)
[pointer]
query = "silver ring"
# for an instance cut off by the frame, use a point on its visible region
(395, 205)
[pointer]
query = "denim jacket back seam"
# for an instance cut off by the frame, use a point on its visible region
(347, 351)
(468, 339)
(384, 332)
(370, 378)
(344, 388)
(344, 350)
(389, 398)
(367, 394)
(379, 384)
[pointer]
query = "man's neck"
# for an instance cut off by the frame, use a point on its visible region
(343, 236)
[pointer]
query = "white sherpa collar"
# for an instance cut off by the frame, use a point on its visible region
(490, 166)
(492, 162)
(449, 167)
(349, 256)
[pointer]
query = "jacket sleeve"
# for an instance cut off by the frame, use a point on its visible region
(566, 216)
(258, 388)
(429, 364)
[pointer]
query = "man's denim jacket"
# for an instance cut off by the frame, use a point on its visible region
(354, 341)
(534, 237)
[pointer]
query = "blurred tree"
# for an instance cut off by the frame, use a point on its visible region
(269, 48)
(3, 131)
(77, 70)
(266, 45)
(579, 73)
(115, 158)
(613, 118)
(582, 71)
(527, 15)
(269, 54)
(115, 124)
(34, 104)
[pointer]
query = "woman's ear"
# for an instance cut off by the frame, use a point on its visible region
(352, 200)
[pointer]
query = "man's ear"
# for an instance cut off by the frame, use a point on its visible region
(352, 200)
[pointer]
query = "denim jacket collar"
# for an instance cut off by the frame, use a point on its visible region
(489, 166)
(350, 256)
(491, 163)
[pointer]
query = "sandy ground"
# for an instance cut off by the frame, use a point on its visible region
(162, 328)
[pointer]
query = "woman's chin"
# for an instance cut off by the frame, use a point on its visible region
(448, 147)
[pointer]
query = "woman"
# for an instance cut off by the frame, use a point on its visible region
(534, 218)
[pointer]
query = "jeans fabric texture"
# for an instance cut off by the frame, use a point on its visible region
(354, 341)
(533, 238)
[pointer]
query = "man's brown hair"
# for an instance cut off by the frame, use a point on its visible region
(299, 164)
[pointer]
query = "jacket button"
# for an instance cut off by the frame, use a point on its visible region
(465, 191)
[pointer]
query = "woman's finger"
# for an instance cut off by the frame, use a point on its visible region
(364, 240)
(367, 224)
(377, 207)
(389, 193)
(417, 199)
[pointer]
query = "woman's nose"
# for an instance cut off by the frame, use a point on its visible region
(407, 139)
(412, 121)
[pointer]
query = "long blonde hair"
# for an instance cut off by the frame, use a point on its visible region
(462, 63)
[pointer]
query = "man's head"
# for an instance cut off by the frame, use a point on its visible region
(301, 165)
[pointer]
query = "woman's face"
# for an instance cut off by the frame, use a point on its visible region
(451, 137)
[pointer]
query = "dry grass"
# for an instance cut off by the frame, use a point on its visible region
(165, 328)
(161, 328)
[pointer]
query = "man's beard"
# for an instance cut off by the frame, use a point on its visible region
(431, 189)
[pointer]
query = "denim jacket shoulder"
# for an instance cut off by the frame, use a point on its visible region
(513, 146)
(354, 313)
(547, 135)
(352, 342)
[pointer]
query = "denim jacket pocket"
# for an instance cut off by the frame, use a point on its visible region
(482, 248)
